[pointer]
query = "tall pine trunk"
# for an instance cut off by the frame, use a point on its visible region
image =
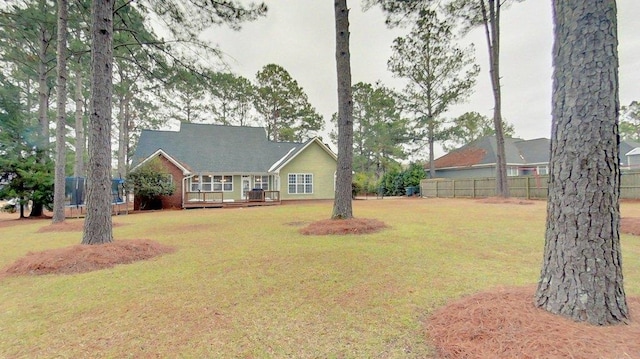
(342, 205)
(491, 20)
(97, 225)
(78, 168)
(121, 136)
(61, 90)
(581, 277)
(43, 106)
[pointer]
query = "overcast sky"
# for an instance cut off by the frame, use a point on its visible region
(300, 36)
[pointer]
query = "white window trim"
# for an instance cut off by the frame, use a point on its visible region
(199, 183)
(512, 171)
(546, 170)
(261, 177)
(223, 182)
(297, 184)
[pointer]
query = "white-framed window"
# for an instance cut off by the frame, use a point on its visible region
(209, 183)
(195, 184)
(542, 170)
(300, 183)
(223, 183)
(261, 182)
(512, 171)
(206, 183)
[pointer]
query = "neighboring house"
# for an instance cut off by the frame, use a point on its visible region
(215, 165)
(478, 158)
(524, 157)
(629, 155)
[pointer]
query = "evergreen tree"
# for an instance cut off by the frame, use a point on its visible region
(581, 276)
(439, 75)
(284, 106)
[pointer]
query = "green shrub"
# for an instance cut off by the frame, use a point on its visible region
(151, 181)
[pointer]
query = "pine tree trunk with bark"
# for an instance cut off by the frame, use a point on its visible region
(78, 168)
(122, 123)
(97, 225)
(342, 205)
(61, 90)
(491, 20)
(37, 209)
(581, 277)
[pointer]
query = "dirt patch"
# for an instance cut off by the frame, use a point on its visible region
(504, 323)
(344, 226)
(630, 226)
(500, 200)
(85, 258)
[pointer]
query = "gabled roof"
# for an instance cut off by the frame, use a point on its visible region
(483, 151)
(518, 152)
(294, 152)
(626, 147)
(203, 148)
(185, 170)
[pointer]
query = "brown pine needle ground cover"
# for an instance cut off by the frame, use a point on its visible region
(343, 226)
(85, 258)
(246, 283)
(504, 323)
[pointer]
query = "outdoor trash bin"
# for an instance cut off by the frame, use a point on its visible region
(410, 190)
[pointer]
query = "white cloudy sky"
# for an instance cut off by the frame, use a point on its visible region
(299, 35)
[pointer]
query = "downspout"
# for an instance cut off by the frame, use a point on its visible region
(184, 187)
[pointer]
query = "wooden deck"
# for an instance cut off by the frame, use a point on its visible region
(218, 200)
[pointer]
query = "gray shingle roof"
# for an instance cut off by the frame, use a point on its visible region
(216, 148)
(483, 151)
(519, 152)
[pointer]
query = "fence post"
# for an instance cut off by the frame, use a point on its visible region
(473, 185)
(528, 187)
(453, 187)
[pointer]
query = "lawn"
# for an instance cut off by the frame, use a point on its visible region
(244, 283)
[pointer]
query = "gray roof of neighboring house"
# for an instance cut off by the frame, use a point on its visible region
(521, 152)
(483, 151)
(216, 148)
(627, 146)
(536, 150)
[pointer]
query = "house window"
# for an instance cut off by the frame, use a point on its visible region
(543, 170)
(223, 183)
(300, 183)
(207, 183)
(261, 182)
(512, 171)
(195, 183)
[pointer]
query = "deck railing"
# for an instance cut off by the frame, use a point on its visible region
(203, 198)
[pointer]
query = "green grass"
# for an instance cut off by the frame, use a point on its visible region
(245, 283)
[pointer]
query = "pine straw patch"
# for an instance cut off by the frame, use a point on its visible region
(344, 226)
(504, 323)
(85, 258)
(630, 226)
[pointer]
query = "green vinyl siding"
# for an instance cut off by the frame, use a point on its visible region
(316, 161)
